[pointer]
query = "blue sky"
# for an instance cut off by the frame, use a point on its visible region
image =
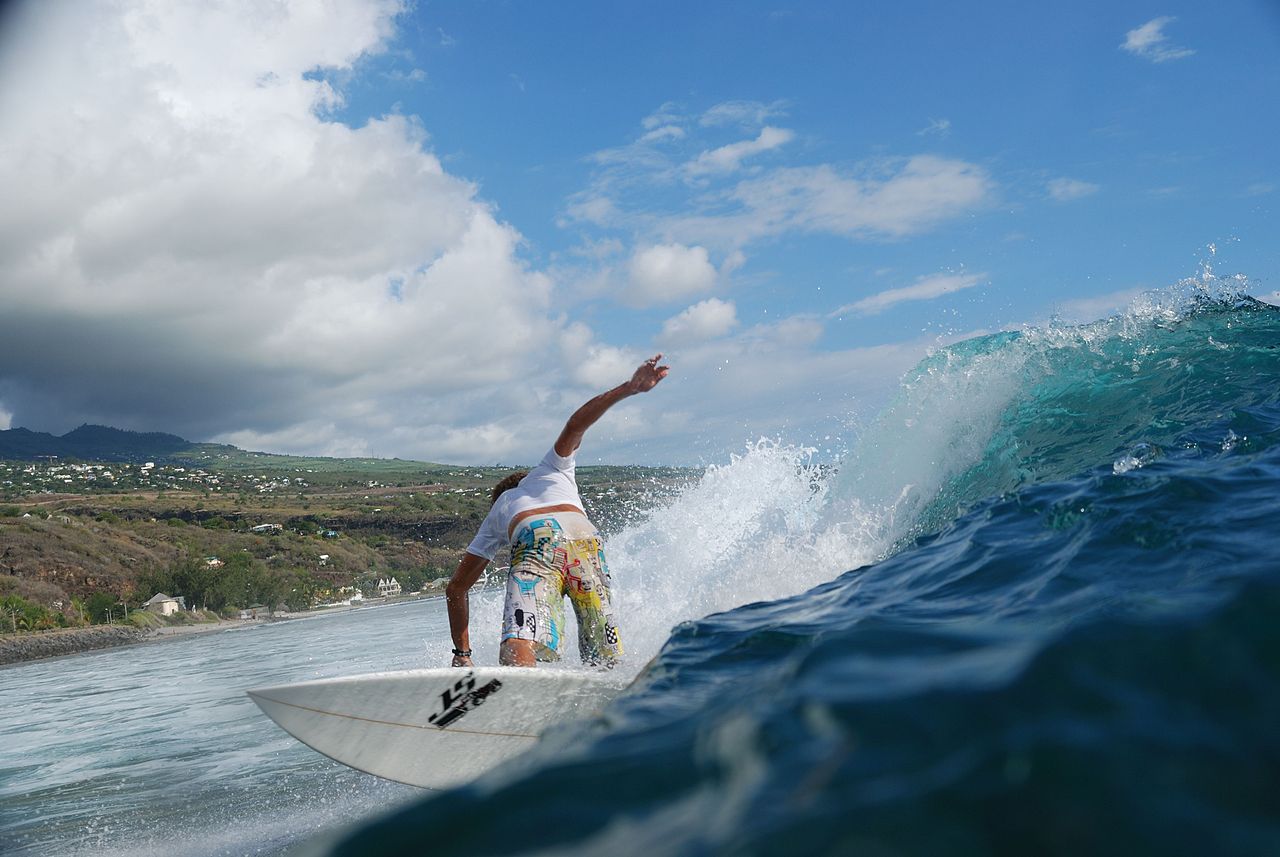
(429, 229)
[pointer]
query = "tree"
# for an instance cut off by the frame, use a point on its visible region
(99, 607)
(300, 589)
(195, 581)
(411, 579)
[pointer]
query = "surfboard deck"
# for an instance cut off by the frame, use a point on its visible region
(433, 728)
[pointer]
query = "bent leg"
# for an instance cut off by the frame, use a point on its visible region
(516, 653)
(533, 616)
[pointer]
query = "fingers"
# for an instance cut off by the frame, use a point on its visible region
(652, 363)
(651, 372)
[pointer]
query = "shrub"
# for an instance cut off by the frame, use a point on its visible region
(143, 619)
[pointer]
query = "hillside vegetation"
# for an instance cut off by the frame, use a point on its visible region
(83, 540)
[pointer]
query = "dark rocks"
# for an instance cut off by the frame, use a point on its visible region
(15, 648)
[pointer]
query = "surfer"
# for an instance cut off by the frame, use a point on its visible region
(555, 551)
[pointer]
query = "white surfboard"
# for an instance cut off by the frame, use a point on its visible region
(433, 728)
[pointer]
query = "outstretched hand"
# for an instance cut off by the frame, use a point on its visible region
(648, 375)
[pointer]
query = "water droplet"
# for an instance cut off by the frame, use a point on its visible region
(1141, 455)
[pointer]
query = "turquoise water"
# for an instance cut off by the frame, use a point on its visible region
(1036, 610)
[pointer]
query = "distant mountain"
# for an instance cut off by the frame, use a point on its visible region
(92, 443)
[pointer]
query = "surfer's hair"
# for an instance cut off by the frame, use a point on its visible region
(506, 485)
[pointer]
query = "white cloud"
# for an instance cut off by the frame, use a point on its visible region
(318, 437)
(1065, 190)
(1093, 308)
(593, 364)
(663, 132)
(193, 245)
(1150, 42)
(744, 113)
(940, 127)
(662, 273)
(893, 199)
(923, 289)
(667, 114)
(727, 159)
(768, 381)
(416, 75)
(709, 319)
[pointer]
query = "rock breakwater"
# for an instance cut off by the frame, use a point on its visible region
(29, 647)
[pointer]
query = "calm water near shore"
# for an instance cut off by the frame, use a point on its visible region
(155, 749)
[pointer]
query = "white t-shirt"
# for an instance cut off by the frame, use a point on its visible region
(551, 483)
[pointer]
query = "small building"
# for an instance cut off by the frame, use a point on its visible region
(162, 604)
(388, 587)
(329, 534)
(213, 562)
(267, 528)
(324, 559)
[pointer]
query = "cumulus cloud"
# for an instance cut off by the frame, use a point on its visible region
(662, 273)
(593, 364)
(709, 319)
(923, 289)
(1150, 42)
(193, 245)
(1065, 190)
(727, 159)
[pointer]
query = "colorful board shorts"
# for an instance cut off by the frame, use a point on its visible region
(552, 556)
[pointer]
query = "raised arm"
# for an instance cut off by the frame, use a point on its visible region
(642, 380)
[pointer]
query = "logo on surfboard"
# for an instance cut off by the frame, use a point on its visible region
(461, 698)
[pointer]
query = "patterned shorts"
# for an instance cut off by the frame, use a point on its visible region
(553, 556)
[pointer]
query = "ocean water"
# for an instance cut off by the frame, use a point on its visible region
(1035, 610)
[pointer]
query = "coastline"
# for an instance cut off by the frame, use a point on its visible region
(22, 648)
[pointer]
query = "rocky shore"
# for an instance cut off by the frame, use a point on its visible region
(15, 648)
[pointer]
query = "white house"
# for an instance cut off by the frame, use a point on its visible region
(388, 587)
(162, 604)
